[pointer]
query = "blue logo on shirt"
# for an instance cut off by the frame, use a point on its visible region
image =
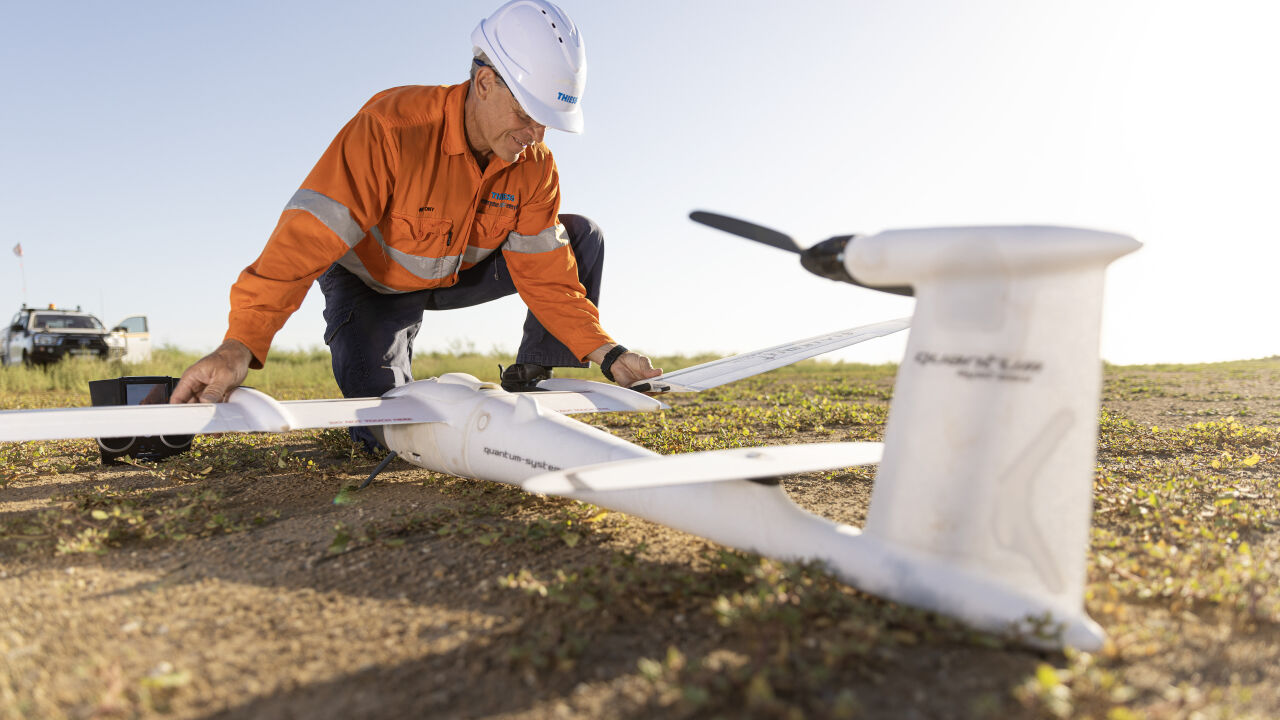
(567, 98)
(502, 196)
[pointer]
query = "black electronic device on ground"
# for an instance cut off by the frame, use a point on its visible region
(137, 390)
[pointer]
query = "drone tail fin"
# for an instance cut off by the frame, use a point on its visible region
(991, 436)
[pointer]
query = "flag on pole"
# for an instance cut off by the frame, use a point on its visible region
(17, 249)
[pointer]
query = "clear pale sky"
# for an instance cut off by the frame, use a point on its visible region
(149, 147)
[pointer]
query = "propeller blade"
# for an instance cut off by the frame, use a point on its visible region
(826, 259)
(745, 229)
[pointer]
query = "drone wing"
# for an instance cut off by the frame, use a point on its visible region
(247, 410)
(727, 370)
(569, 396)
(756, 463)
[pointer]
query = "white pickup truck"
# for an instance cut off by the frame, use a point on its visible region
(39, 336)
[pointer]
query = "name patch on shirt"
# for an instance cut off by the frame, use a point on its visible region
(500, 200)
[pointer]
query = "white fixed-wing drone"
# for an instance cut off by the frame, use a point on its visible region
(982, 502)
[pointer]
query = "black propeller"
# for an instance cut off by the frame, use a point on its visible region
(745, 229)
(825, 259)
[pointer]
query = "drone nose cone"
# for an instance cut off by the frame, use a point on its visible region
(827, 259)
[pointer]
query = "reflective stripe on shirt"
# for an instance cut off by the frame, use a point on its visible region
(475, 254)
(352, 262)
(331, 213)
(426, 268)
(553, 238)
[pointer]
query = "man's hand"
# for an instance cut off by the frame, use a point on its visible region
(212, 378)
(629, 368)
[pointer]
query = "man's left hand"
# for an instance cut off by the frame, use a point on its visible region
(629, 368)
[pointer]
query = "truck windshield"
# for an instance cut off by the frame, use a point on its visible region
(47, 321)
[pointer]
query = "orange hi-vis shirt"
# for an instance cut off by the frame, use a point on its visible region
(399, 200)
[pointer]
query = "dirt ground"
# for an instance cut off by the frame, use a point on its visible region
(434, 597)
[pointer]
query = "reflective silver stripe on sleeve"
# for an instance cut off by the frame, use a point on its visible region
(331, 213)
(550, 239)
(474, 254)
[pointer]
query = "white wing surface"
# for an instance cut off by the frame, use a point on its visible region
(246, 411)
(726, 370)
(704, 467)
(568, 396)
(358, 411)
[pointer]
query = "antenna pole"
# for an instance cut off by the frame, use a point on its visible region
(22, 268)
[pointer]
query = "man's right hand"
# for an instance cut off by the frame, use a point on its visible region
(212, 378)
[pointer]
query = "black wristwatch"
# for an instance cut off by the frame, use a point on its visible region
(606, 365)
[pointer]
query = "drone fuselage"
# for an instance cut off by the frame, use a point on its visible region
(490, 433)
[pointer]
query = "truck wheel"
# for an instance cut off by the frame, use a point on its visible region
(26, 359)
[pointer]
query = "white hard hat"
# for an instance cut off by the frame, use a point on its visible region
(538, 52)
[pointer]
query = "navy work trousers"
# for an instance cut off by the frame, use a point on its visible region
(370, 335)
